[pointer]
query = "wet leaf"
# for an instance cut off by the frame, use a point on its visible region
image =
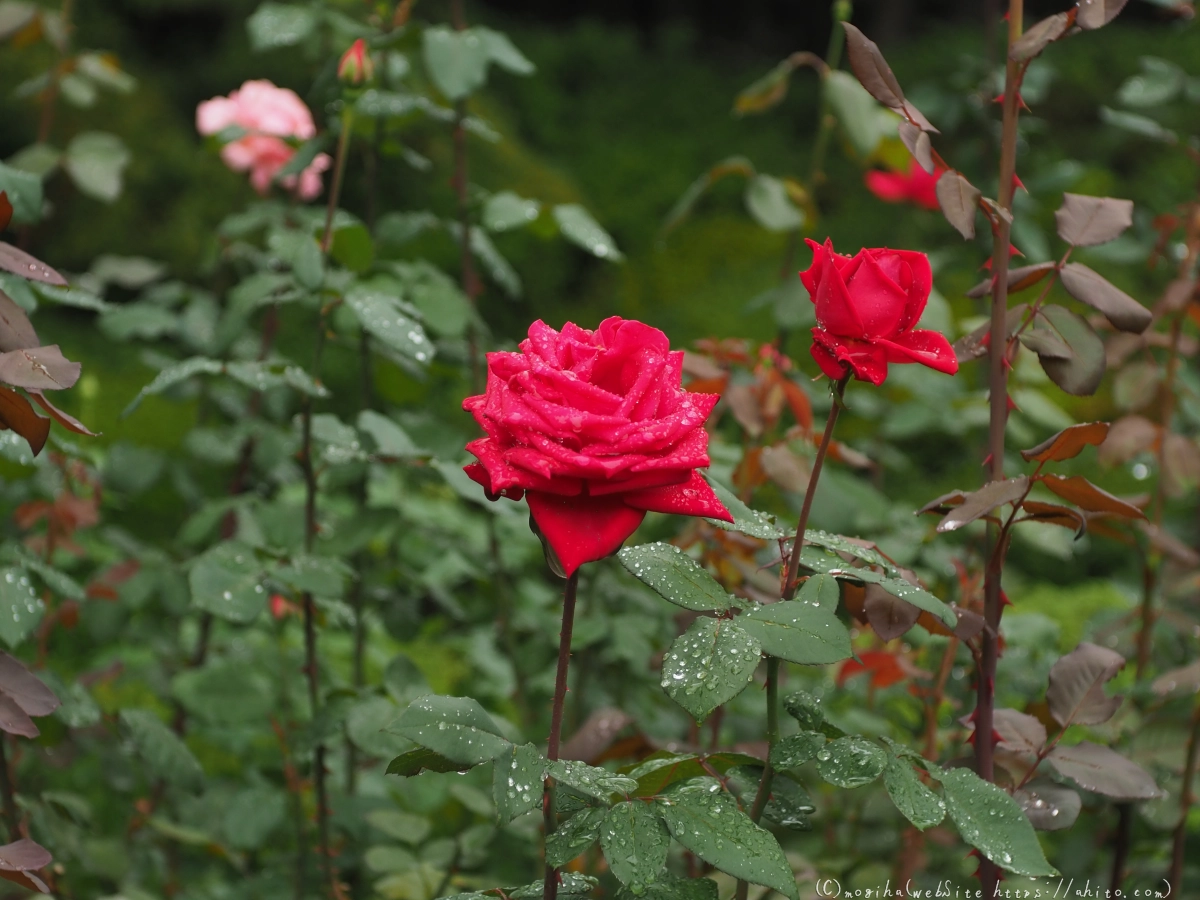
(574, 836)
(517, 778)
(414, 762)
(591, 780)
(1048, 806)
(992, 822)
(457, 60)
(1085, 495)
(17, 261)
(390, 439)
(635, 843)
(916, 802)
(1053, 514)
(1085, 221)
(805, 630)
(710, 825)
(974, 345)
(1081, 372)
(806, 709)
(21, 608)
(746, 520)
(1068, 443)
(173, 375)
(505, 211)
(664, 769)
(709, 664)
(1088, 287)
(959, 200)
(851, 761)
(979, 503)
(1020, 733)
(165, 754)
(1095, 13)
(38, 368)
(570, 884)
(796, 749)
(1104, 771)
(457, 728)
(675, 577)
(578, 227)
(1076, 692)
(381, 314)
(889, 616)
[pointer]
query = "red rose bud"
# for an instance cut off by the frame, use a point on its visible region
(867, 306)
(356, 66)
(594, 429)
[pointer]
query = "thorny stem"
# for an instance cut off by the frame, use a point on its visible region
(1186, 798)
(311, 669)
(998, 400)
(788, 592)
(549, 818)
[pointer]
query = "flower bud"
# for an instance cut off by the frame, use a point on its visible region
(356, 66)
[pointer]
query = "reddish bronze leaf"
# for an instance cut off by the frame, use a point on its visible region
(15, 720)
(1085, 221)
(21, 263)
(1129, 436)
(1020, 732)
(1088, 286)
(1038, 36)
(1095, 13)
(1068, 443)
(18, 861)
(596, 734)
(889, 616)
(785, 468)
(944, 503)
(978, 504)
(1053, 514)
(975, 345)
(25, 688)
(6, 210)
(1018, 279)
(872, 69)
(917, 142)
(959, 200)
(38, 368)
(17, 414)
(1104, 771)
(16, 331)
(65, 420)
(1085, 495)
(1076, 692)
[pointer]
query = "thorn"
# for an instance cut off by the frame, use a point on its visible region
(1004, 601)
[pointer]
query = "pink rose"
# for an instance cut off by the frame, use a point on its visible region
(917, 186)
(269, 115)
(594, 428)
(867, 306)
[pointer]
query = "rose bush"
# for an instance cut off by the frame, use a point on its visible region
(867, 306)
(270, 116)
(594, 429)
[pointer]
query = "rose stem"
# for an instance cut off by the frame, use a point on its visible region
(311, 669)
(550, 821)
(998, 403)
(788, 593)
(1179, 845)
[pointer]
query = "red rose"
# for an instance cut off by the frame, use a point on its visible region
(594, 428)
(917, 186)
(867, 306)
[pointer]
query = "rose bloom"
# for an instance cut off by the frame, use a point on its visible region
(594, 429)
(916, 186)
(866, 308)
(271, 116)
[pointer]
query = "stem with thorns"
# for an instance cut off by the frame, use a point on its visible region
(549, 818)
(790, 584)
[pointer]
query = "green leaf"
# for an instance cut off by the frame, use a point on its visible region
(318, 575)
(505, 211)
(803, 630)
(1081, 372)
(574, 836)
(406, 827)
(826, 563)
(1137, 124)
(746, 520)
(456, 60)
(173, 375)
(796, 749)
(382, 316)
(670, 887)
(225, 692)
(166, 756)
(570, 885)
(711, 826)
(806, 709)
(353, 248)
(663, 769)
(635, 843)
(851, 761)
(275, 25)
(227, 581)
(676, 577)
(458, 728)
(709, 664)
(992, 822)
(390, 439)
(590, 780)
(916, 802)
(864, 121)
(262, 376)
(96, 162)
(768, 202)
(20, 607)
(517, 781)
(578, 227)
(24, 191)
(414, 762)
(503, 52)
(366, 722)
(144, 321)
(443, 306)
(252, 815)
(55, 579)
(843, 544)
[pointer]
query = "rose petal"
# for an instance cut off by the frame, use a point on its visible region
(583, 529)
(827, 361)
(637, 481)
(877, 299)
(929, 348)
(836, 312)
(694, 497)
(867, 360)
